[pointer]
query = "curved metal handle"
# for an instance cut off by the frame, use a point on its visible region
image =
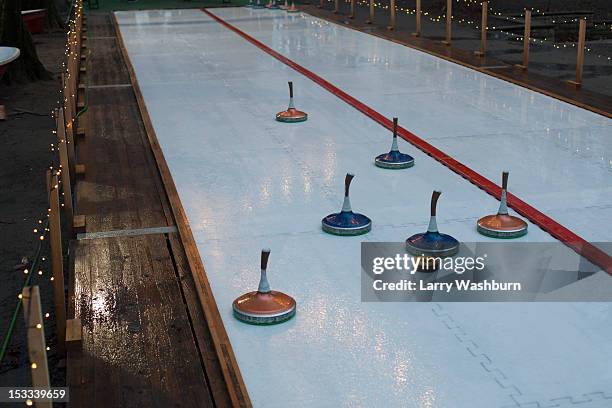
(265, 254)
(395, 127)
(505, 175)
(434, 201)
(290, 89)
(347, 183)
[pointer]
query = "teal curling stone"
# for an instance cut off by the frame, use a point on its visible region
(291, 115)
(265, 306)
(346, 222)
(432, 243)
(394, 160)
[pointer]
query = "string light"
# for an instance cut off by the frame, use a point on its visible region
(441, 18)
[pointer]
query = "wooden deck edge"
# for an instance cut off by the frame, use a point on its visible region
(223, 349)
(486, 71)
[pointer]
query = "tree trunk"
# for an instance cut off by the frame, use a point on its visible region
(14, 34)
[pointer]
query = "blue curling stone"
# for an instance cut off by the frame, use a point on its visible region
(394, 160)
(346, 223)
(432, 244)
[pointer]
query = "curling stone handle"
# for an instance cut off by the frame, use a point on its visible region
(265, 254)
(434, 201)
(394, 127)
(290, 89)
(347, 183)
(505, 175)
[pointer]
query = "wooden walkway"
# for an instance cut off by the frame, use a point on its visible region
(152, 334)
(598, 103)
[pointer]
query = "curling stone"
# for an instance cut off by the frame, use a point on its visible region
(502, 225)
(292, 9)
(272, 5)
(291, 115)
(258, 5)
(284, 6)
(394, 159)
(265, 306)
(432, 243)
(346, 222)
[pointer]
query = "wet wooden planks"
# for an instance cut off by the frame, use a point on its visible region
(138, 345)
(146, 341)
(120, 189)
(555, 88)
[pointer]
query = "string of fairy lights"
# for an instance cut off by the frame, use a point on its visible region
(491, 11)
(42, 227)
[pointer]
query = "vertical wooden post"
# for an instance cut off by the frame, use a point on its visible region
(370, 20)
(57, 263)
(66, 181)
(391, 25)
(37, 348)
(580, 54)
(417, 32)
(353, 7)
(67, 114)
(526, 39)
(337, 7)
(449, 19)
(483, 30)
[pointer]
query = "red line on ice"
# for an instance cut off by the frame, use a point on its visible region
(558, 231)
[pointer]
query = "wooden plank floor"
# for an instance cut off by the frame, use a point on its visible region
(592, 101)
(146, 341)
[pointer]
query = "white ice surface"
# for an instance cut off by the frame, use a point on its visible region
(249, 182)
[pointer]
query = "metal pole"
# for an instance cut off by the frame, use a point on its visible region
(580, 55)
(483, 30)
(417, 33)
(337, 7)
(391, 25)
(353, 5)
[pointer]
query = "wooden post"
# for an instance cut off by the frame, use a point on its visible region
(449, 19)
(353, 7)
(580, 55)
(526, 39)
(391, 25)
(57, 263)
(66, 181)
(37, 348)
(337, 7)
(417, 33)
(68, 119)
(483, 30)
(370, 20)
(74, 333)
